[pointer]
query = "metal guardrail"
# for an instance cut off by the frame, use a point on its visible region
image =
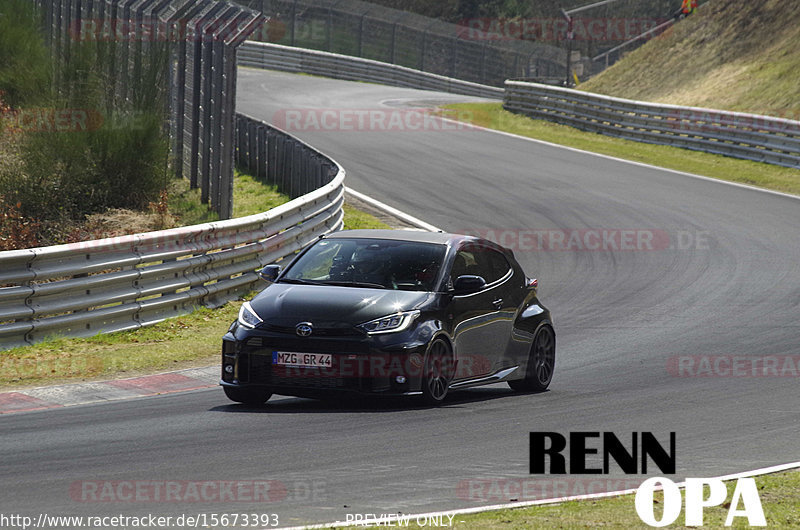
(746, 136)
(290, 59)
(127, 282)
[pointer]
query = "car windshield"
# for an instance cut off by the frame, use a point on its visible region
(374, 263)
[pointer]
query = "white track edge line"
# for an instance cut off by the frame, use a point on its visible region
(393, 519)
(634, 162)
(419, 223)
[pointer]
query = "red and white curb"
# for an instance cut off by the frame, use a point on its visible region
(103, 391)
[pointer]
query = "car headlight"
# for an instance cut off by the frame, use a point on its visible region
(390, 324)
(248, 317)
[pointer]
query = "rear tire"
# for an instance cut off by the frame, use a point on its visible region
(541, 363)
(438, 373)
(247, 395)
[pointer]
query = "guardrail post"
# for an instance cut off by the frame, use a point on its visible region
(292, 28)
(307, 177)
(423, 47)
(270, 154)
(361, 35)
(393, 49)
(252, 148)
(483, 62)
(329, 29)
(280, 167)
(293, 173)
(264, 167)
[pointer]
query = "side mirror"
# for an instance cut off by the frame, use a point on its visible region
(468, 284)
(269, 273)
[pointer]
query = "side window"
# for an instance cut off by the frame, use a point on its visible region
(480, 261)
(464, 262)
(492, 264)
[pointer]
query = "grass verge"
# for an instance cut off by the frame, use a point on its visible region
(493, 116)
(182, 342)
(779, 494)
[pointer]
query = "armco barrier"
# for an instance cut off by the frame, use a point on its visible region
(735, 134)
(289, 59)
(127, 282)
(740, 135)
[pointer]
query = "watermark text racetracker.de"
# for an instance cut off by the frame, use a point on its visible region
(28, 368)
(535, 489)
(153, 29)
(702, 121)
(373, 120)
(196, 520)
(592, 239)
(374, 365)
(71, 120)
(51, 120)
(197, 491)
(595, 29)
(734, 366)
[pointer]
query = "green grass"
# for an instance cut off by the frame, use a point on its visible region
(492, 115)
(355, 219)
(185, 205)
(191, 340)
(250, 196)
(779, 493)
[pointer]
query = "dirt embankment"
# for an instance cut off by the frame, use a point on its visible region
(732, 54)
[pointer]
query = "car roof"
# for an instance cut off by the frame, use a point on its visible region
(420, 236)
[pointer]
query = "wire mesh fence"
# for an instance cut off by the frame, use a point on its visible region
(532, 43)
(361, 29)
(180, 52)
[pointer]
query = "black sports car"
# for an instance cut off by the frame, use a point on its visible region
(390, 312)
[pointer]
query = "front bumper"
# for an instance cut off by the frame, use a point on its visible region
(380, 364)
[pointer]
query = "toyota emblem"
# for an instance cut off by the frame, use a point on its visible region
(304, 329)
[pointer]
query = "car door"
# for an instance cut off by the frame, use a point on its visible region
(481, 321)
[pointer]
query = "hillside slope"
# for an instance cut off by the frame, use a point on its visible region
(732, 54)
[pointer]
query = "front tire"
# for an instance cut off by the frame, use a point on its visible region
(247, 395)
(438, 373)
(541, 363)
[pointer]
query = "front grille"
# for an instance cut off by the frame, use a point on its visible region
(341, 331)
(306, 344)
(353, 366)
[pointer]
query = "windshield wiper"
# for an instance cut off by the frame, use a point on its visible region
(346, 283)
(300, 281)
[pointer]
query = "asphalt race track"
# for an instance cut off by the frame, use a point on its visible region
(722, 279)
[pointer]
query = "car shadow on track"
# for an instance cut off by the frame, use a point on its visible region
(373, 404)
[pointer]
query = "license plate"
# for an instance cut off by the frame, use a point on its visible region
(306, 360)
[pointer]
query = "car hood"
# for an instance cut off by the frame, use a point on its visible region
(283, 304)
